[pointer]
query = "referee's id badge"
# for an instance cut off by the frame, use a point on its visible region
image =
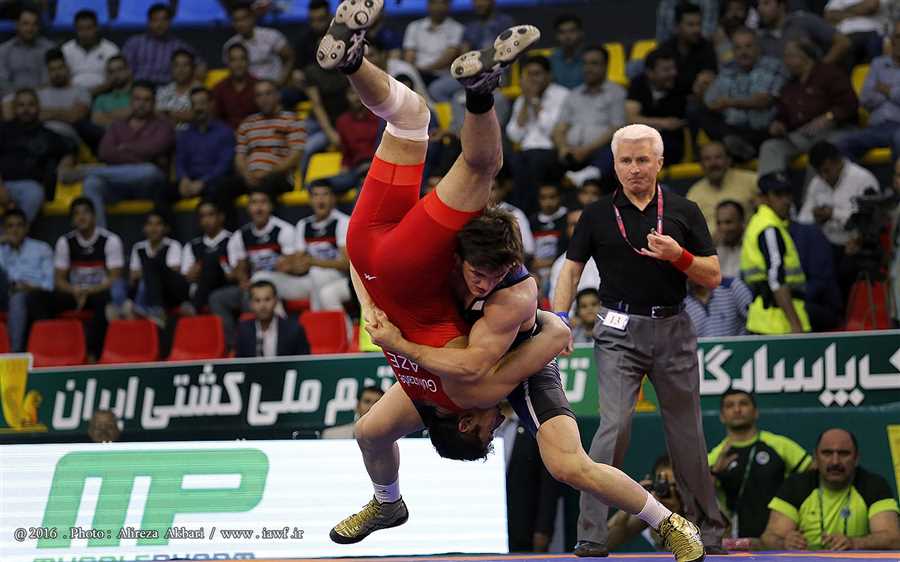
(615, 320)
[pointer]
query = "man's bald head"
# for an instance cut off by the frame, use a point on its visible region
(837, 455)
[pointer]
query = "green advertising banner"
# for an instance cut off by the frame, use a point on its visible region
(813, 371)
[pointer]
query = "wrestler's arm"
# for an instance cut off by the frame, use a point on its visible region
(519, 364)
(489, 339)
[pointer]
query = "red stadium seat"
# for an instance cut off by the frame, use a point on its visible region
(83, 315)
(55, 343)
(198, 337)
(130, 341)
(4, 338)
(326, 331)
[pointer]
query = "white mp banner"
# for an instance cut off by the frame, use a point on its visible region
(235, 500)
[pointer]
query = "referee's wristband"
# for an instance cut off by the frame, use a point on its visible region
(684, 261)
(565, 317)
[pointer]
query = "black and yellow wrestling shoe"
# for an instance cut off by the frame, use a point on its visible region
(480, 71)
(344, 45)
(371, 518)
(682, 538)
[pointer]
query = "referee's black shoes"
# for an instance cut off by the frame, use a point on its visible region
(588, 549)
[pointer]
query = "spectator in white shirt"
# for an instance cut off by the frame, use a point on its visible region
(534, 115)
(65, 107)
(259, 250)
(500, 190)
(432, 42)
(590, 115)
(860, 21)
(174, 99)
(88, 53)
(321, 251)
(729, 236)
(830, 197)
(271, 57)
(88, 264)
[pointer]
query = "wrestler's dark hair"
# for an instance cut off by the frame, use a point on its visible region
(449, 441)
(491, 241)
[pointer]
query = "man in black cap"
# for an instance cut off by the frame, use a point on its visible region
(770, 264)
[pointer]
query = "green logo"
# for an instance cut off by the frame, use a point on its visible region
(165, 498)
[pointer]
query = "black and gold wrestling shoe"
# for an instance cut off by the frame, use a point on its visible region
(682, 538)
(344, 45)
(371, 518)
(480, 71)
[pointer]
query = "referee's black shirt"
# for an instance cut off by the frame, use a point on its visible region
(626, 276)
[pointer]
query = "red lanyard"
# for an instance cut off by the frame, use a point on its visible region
(659, 217)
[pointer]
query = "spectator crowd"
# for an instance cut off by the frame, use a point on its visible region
(744, 86)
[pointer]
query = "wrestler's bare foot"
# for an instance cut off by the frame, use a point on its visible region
(480, 71)
(343, 45)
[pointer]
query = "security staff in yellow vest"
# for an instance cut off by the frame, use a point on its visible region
(770, 264)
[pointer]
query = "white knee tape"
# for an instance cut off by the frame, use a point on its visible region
(406, 114)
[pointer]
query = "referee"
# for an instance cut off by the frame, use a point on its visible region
(647, 243)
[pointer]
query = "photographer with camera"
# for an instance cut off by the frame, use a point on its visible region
(624, 527)
(832, 199)
(749, 466)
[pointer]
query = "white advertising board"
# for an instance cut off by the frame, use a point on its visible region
(234, 500)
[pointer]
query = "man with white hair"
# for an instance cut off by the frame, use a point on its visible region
(647, 244)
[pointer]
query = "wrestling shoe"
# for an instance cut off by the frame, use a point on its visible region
(374, 516)
(344, 44)
(480, 71)
(682, 538)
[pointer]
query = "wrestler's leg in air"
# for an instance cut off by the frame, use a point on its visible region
(404, 143)
(467, 185)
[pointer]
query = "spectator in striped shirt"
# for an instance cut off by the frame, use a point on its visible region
(149, 54)
(269, 148)
(719, 312)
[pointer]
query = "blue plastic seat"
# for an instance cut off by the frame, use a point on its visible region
(192, 12)
(66, 10)
(133, 13)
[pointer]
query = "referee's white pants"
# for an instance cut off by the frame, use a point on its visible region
(325, 288)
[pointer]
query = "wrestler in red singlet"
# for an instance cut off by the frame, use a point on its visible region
(403, 250)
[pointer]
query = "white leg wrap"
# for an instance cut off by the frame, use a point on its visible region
(406, 114)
